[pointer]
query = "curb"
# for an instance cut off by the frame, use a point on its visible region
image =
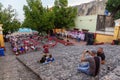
(29, 68)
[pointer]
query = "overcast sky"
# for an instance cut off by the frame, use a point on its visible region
(18, 5)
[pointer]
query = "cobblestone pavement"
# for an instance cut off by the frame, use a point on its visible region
(113, 75)
(12, 69)
(66, 62)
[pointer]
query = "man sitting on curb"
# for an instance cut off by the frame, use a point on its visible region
(92, 65)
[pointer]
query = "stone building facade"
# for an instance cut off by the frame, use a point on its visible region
(92, 8)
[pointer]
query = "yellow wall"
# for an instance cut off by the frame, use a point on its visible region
(104, 38)
(1, 41)
(108, 38)
(117, 32)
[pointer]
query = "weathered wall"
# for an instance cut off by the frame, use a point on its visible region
(86, 22)
(91, 8)
(87, 14)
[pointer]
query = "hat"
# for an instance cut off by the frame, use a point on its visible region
(93, 51)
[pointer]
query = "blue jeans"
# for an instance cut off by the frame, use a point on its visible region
(84, 68)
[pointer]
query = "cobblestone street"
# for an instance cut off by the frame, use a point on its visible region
(59, 39)
(64, 68)
(12, 69)
(67, 59)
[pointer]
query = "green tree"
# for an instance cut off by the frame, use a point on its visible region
(43, 19)
(14, 25)
(47, 22)
(64, 15)
(8, 19)
(33, 12)
(37, 17)
(117, 16)
(113, 6)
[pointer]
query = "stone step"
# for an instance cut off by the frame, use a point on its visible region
(113, 75)
(66, 61)
(29, 68)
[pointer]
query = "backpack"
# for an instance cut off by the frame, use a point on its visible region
(97, 63)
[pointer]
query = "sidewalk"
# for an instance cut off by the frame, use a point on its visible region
(12, 69)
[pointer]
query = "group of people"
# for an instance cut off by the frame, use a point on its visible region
(23, 43)
(78, 35)
(90, 60)
(30, 42)
(47, 57)
(90, 64)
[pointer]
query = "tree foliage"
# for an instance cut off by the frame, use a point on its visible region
(47, 20)
(113, 6)
(8, 19)
(42, 19)
(33, 12)
(117, 16)
(64, 15)
(37, 17)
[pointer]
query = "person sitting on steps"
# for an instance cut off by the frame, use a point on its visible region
(47, 59)
(50, 58)
(92, 65)
(101, 54)
(43, 59)
(46, 49)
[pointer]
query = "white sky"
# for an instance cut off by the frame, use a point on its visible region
(18, 5)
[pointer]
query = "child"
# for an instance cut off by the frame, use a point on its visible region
(46, 49)
(50, 59)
